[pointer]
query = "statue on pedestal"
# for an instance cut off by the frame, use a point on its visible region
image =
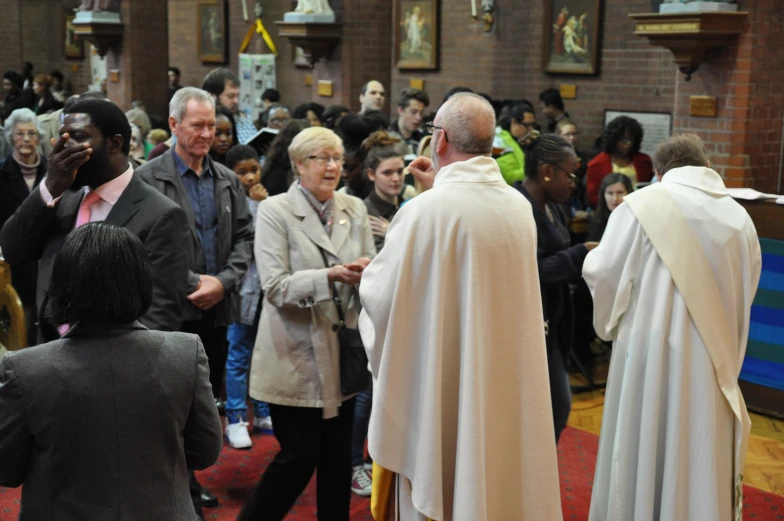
(311, 11)
(98, 6)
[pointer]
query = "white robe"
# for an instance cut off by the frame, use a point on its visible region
(452, 322)
(666, 446)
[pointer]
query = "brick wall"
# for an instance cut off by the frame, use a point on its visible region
(745, 139)
(30, 30)
(507, 62)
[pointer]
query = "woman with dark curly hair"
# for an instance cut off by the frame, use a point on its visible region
(622, 139)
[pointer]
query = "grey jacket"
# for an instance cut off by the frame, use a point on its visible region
(235, 231)
(295, 359)
(103, 424)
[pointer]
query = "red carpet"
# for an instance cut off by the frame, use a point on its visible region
(234, 476)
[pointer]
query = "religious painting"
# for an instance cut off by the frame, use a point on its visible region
(213, 43)
(572, 33)
(73, 48)
(416, 34)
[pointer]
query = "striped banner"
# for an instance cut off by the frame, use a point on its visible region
(764, 362)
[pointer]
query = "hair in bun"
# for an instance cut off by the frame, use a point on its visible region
(530, 140)
(543, 149)
(381, 145)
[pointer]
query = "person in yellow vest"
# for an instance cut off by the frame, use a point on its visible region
(673, 281)
(521, 120)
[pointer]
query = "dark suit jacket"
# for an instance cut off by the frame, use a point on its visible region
(103, 424)
(13, 192)
(235, 231)
(36, 232)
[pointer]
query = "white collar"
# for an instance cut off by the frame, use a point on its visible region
(699, 177)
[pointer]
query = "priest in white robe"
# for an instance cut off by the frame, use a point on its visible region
(673, 281)
(462, 426)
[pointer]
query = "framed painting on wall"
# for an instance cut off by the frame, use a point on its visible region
(416, 34)
(213, 43)
(73, 48)
(572, 36)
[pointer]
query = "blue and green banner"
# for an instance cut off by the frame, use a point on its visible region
(764, 362)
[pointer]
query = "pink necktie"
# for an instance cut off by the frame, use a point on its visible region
(83, 217)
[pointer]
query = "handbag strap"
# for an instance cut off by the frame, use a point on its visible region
(335, 296)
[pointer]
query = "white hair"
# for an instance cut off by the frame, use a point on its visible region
(21, 116)
(179, 102)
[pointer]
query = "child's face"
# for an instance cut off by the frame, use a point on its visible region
(249, 172)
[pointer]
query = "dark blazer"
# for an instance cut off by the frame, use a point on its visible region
(235, 231)
(36, 232)
(48, 106)
(13, 192)
(103, 424)
(559, 264)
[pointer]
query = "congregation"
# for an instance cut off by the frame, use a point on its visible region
(347, 286)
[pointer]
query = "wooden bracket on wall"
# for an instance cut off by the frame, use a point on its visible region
(104, 35)
(689, 35)
(316, 39)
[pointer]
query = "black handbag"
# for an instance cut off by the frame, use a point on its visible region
(354, 374)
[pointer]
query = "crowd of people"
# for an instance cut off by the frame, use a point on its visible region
(195, 272)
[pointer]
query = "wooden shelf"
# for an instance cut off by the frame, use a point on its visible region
(101, 34)
(316, 39)
(689, 35)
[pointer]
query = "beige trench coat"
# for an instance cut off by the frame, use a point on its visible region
(295, 359)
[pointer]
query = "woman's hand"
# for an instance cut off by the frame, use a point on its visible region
(358, 265)
(344, 275)
(258, 193)
(379, 226)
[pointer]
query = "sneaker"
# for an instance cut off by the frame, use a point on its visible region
(262, 425)
(237, 435)
(361, 484)
(369, 467)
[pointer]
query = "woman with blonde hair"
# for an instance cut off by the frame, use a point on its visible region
(312, 244)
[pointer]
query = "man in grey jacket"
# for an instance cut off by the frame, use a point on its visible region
(219, 225)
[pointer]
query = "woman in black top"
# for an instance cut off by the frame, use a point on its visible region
(613, 189)
(550, 163)
(276, 174)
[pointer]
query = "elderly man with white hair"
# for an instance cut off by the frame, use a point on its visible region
(221, 230)
(462, 428)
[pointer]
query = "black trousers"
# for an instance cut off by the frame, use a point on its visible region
(307, 443)
(215, 345)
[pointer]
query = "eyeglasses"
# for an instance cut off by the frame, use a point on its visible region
(21, 135)
(430, 127)
(324, 160)
(625, 141)
(565, 171)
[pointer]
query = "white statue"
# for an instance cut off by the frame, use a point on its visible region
(311, 11)
(110, 6)
(314, 7)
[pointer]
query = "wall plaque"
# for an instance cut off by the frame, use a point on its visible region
(704, 106)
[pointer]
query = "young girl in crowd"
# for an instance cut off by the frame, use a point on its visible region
(613, 189)
(244, 161)
(385, 169)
